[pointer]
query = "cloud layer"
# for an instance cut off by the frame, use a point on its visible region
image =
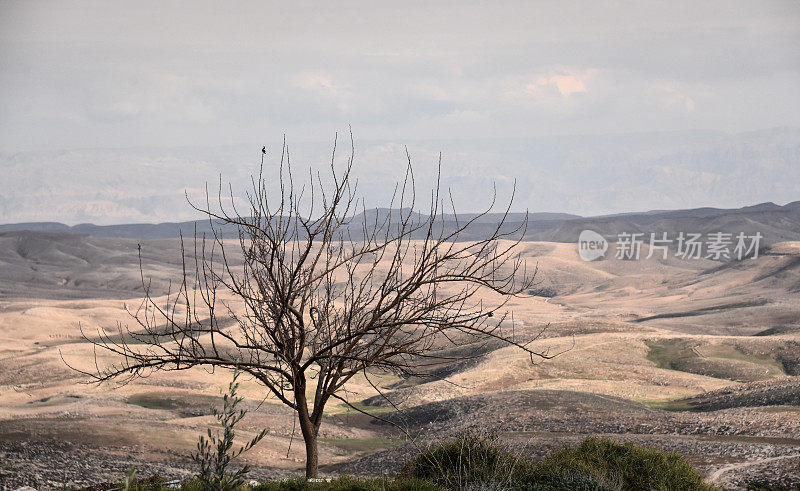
(185, 90)
(83, 74)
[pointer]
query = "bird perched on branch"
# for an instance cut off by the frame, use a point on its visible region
(264, 150)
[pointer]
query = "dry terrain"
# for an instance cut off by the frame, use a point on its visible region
(696, 356)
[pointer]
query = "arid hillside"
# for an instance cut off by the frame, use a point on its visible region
(697, 356)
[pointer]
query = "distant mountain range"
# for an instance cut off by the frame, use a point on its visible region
(776, 223)
(586, 175)
(53, 260)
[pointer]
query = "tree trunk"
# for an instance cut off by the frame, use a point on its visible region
(312, 454)
(308, 428)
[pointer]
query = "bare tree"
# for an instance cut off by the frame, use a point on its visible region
(324, 290)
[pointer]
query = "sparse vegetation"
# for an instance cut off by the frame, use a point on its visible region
(132, 482)
(214, 453)
(718, 360)
(362, 444)
(622, 466)
(342, 483)
(664, 352)
(759, 485)
(669, 404)
(546, 292)
(596, 464)
(479, 461)
(469, 458)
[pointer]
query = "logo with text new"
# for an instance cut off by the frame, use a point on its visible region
(591, 245)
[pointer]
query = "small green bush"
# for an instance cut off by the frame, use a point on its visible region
(215, 452)
(477, 462)
(621, 466)
(569, 481)
(468, 459)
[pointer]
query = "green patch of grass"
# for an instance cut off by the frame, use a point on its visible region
(781, 409)
(344, 409)
(155, 401)
(53, 401)
(185, 405)
(668, 404)
(718, 360)
(728, 352)
(362, 444)
(664, 352)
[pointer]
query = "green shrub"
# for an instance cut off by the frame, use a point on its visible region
(569, 481)
(623, 466)
(468, 459)
(476, 462)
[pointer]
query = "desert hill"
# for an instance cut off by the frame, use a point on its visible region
(693, 355)
(36, 264)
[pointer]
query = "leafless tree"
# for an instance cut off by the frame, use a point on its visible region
(317, 290)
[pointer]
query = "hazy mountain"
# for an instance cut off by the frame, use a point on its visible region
(581, 175)
(775, 223)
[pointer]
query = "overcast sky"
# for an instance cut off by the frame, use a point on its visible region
(134, 76)
(111, 74)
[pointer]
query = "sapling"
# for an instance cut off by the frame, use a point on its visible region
(215, 451)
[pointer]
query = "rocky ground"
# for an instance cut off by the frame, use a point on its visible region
(57, 464)
(732, 446)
